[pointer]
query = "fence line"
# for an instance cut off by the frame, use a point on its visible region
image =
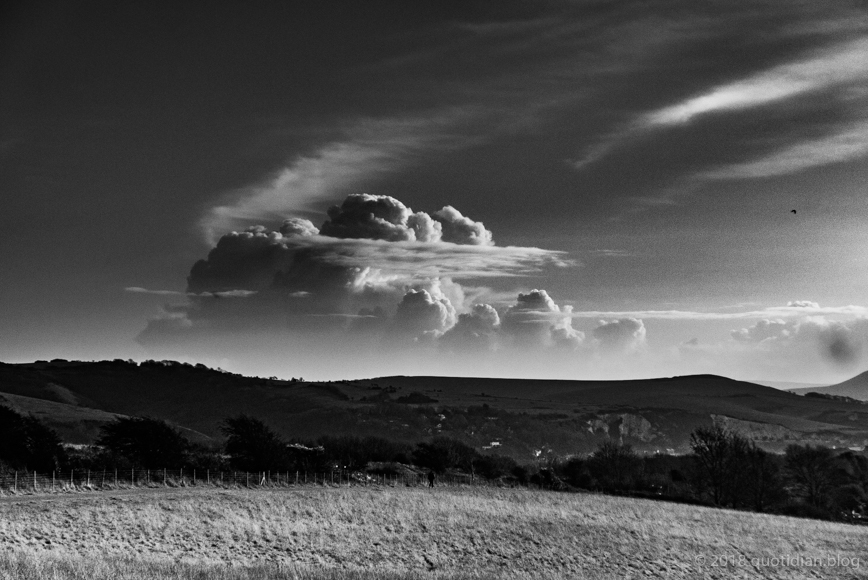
(85, 479)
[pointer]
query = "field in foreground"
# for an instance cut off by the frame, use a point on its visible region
(366, 533)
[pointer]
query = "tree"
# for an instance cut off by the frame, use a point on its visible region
(719, 457)
(575, 472)
(354, 453)
(762, 482)
(811, 471)
(443, 453)
(25, 443)
(145, 442)
(494, 466)
(253, 446)
(614, 466)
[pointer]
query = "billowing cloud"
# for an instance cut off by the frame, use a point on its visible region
(376, 269)
(459, 229)
(474, 330)
(420, 313)
(380, 217)
(625, 335)
(841, 343)
(536, 320)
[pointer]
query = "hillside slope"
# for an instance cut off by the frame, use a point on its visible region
(520, 417)
(855, 388)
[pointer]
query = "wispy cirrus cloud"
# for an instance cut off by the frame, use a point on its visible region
(219, 294)
(847, 143)
(839, 67)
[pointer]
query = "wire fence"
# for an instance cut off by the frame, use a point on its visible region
(84, 479)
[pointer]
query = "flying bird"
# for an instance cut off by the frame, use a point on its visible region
(792, 211)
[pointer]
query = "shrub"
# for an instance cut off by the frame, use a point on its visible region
(252, 446)
(614, 466)
(443, 453)
(144, 442)
(25, 443)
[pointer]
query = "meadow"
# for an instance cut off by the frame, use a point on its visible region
(386, 532)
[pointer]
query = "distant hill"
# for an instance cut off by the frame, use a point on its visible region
(520, 417)
(855, 388)
(789, 385)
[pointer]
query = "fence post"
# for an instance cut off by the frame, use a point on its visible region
(16, 481)
(116, 478)
(208, 476)
(52, 480)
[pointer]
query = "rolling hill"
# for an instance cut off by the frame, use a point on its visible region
(520, 417)
(855, 388)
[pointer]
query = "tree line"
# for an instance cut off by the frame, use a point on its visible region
(724, 468)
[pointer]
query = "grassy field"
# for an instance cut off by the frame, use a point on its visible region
(444, 533)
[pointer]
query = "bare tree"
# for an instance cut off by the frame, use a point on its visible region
(811, 471)
(719, 456)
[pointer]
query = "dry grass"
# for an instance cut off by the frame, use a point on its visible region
(363, 533)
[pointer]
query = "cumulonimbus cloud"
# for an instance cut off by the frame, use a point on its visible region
(373, 259)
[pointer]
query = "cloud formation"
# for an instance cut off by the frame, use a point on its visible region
(625, 335)
(846, 142)
(374, 260)
(367, 149)
(840, 343)
(380, 217)
(837, 71)
(840, 65)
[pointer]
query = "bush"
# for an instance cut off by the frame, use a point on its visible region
(145, 442)
(348, 452)
(811, 471)
(575, 472)
(25, 443)
(252, 446)
(494, 466)
(443, 453)
(614, 466)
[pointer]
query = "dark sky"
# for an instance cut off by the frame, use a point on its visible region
(637, 161)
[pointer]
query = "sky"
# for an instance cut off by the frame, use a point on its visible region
(560, 189)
